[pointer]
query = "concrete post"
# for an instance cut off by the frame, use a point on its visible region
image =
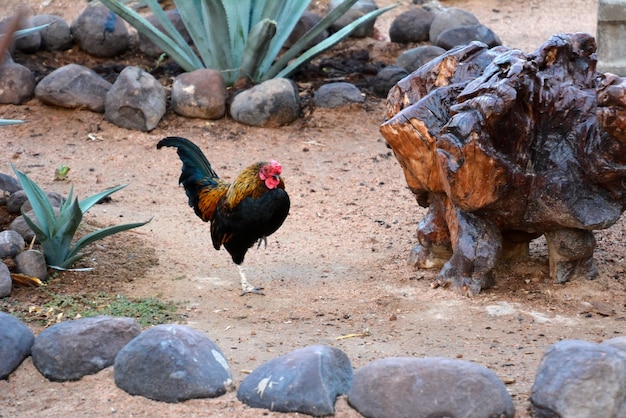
(611, 36)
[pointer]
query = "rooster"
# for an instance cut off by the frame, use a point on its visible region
(241, 213)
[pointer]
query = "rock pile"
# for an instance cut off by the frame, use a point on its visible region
(137, 100)
(13, 240)
(173, 363)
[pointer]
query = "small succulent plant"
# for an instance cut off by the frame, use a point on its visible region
(56, 232)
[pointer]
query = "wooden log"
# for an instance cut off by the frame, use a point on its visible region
(524, 143)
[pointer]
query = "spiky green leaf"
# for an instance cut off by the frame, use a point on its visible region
(38, 200)
(208, 28)
(87, 203)
(277, 71)
(286, 19)
(181, 53)
(56, 246)
(4, 122)
(98, 235)
(168, 26)
(259, 42)
(67, 223)
(238, 19)
(33, 225)
(28, 31)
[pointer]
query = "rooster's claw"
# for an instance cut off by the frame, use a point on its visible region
(255, 290)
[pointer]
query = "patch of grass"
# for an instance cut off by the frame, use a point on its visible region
(146, 311)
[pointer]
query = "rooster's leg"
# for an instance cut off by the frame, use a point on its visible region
(246, 286)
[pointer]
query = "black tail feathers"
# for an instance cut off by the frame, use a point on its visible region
(197, 172)
(191, 156)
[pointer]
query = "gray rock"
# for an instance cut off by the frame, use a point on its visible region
(412, 25)
(463, 35)
(450, 18)
(135, 101)
(3, 28)
(7, 55)
(100, 32)
(18, 201)
(307, 21)
(172, 363)
(617, 342)
(72, 349)
(19, 225)
(270, 104)
(577, 379)
(200, 94)
(55, 199)
(17, 83)
(56, 36)
(73, 86)
(413, 58)
(11, 244)
(32, 263)
(387, 78)
(30, 43)
(148, 47)
(9, 183)
(428, 387)
(16, 340)
(337, 94)
(358, 9)
(307, 380)
(6, 285)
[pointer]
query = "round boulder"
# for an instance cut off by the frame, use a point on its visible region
(56, 36)
(172, 363)
(450, 18)
(270, 104)
(429, 387)
(100, 32)
(17, 83)
(200, 94)
(411, 26)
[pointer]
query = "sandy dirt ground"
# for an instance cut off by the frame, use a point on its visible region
(336, 267)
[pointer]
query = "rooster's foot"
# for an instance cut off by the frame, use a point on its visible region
(246, 287)
(252, 289)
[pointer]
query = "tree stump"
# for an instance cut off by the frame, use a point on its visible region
(504, 146)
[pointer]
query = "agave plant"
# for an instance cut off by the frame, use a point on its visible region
(56, 232)
(240, 38)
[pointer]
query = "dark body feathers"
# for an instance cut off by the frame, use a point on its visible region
(242, 212)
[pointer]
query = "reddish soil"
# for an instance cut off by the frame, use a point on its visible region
(336, 267)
